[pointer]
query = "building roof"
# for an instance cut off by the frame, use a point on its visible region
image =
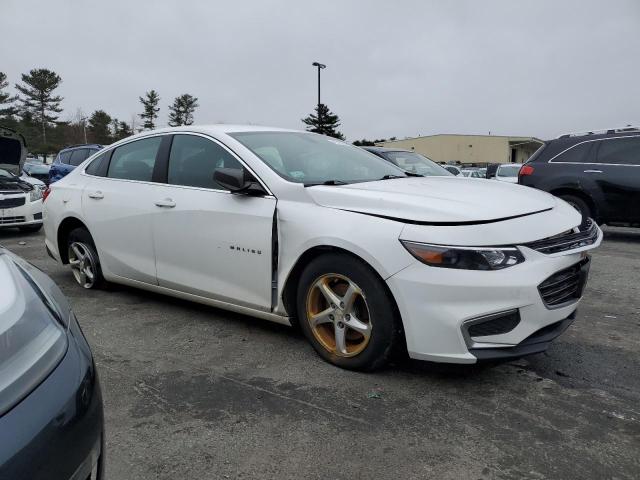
(512, 138)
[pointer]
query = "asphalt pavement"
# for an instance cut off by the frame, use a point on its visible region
(193, 392)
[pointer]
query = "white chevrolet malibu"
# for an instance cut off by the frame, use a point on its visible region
(306, 230)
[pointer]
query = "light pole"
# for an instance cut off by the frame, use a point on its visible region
(320, 67)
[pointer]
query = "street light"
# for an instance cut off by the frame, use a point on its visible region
(320, 66)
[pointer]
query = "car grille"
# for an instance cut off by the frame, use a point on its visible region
(12, 202)
(585, 235)
(6, 220)
(566, 285)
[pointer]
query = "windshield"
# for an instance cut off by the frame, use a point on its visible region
(6, 174)
(416, 163)
(315, 159)
(508, 170)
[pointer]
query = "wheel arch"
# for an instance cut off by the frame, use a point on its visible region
(290, 289)
(64, 229)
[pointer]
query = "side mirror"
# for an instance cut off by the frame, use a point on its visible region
(237, 180)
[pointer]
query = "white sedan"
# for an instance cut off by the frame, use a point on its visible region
(508, 172)
(307, 230)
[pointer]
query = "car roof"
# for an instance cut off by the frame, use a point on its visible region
(560, 144)
(210, 129)
(82, 145)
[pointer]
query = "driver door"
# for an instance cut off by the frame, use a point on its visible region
(210, 242)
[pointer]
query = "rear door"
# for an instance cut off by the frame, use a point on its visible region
(617, 170)
(118, 208)
(210, 242)
(572, 169)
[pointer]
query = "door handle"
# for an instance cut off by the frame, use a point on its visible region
(166, 203)
(593, 171)
(97, 195)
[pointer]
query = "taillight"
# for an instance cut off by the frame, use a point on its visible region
(526, 170)
(45, 193)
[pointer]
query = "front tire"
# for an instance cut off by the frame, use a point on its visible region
(346, 313)
(83, 259)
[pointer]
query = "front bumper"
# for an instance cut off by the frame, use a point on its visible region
(438, 304)
(25, 215)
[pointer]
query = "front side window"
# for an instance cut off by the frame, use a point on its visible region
(416, 163)
(577, 154)
(621, 151)
(193, 160)
(135, 160)
(314, 159)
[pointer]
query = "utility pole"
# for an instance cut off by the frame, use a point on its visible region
(320, 66)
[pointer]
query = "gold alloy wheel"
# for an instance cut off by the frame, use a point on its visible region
(338, 315)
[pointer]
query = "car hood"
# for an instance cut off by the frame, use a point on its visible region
(435, 200)
(33, 181)
(13, 150)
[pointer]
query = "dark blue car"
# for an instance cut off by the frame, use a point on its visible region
(51, 417)
(69, 158)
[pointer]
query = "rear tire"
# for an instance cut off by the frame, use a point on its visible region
(83, 259)
(347, 313)
(580, 205)
(30, 228)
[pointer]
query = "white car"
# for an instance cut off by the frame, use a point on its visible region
(20, 196)
(307, 230)
(508, 172)
(20, 202)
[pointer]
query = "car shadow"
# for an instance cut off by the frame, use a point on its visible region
(15, 233)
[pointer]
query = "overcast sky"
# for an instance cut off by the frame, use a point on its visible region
(394, 68)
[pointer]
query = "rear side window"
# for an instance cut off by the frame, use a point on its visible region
(98, 165)
(193, 160)
(135, 160)
(577, 154)
(78, 156)
(621, 151)
(64, 157)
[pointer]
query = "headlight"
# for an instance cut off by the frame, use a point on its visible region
(36, 194)
(466, 258)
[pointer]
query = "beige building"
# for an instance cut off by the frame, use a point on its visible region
(470, 149)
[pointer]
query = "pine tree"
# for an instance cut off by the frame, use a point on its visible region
(7, 109)
(181, 112)
(98, 130)
(323, 122)
(120, 129)
(38, 101)
(150, 114)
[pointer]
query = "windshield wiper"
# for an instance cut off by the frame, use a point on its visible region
(327, 182)
(390, 177)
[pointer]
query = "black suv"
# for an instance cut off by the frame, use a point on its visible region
(598, 173)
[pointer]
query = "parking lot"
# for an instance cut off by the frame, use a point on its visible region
(195, 392)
